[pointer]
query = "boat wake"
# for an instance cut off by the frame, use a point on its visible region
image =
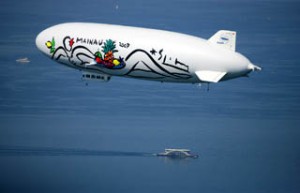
(51, 151)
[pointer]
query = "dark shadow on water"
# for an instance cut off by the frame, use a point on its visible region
(50, 151)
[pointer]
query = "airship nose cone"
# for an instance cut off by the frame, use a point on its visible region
(38, 40)
(42, 42)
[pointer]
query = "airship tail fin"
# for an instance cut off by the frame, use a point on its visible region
(210, 76)
(224, 38)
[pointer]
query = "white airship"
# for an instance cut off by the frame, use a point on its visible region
(103, 50)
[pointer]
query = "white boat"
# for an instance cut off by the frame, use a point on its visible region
(177, 153)
(23, 60)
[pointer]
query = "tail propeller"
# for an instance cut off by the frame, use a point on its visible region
(254, 67)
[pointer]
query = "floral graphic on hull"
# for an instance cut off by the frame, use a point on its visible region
(104, 58)
(109, 61)
(51, 45)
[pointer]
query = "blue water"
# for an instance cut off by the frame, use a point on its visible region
(59, 135)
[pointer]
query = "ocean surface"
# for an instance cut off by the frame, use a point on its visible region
(58, 134)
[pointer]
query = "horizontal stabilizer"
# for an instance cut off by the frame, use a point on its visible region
(224, 38)
(210, 76)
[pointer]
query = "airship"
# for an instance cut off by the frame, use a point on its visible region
(101, 51)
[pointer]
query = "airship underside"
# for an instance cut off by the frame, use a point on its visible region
(103, 50)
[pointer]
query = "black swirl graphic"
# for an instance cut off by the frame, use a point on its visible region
(162, 72)
(144, 66)
(80, 55)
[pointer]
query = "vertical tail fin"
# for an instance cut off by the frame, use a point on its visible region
(224, 38)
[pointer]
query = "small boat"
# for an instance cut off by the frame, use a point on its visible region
(177, 153)
(23, 60)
